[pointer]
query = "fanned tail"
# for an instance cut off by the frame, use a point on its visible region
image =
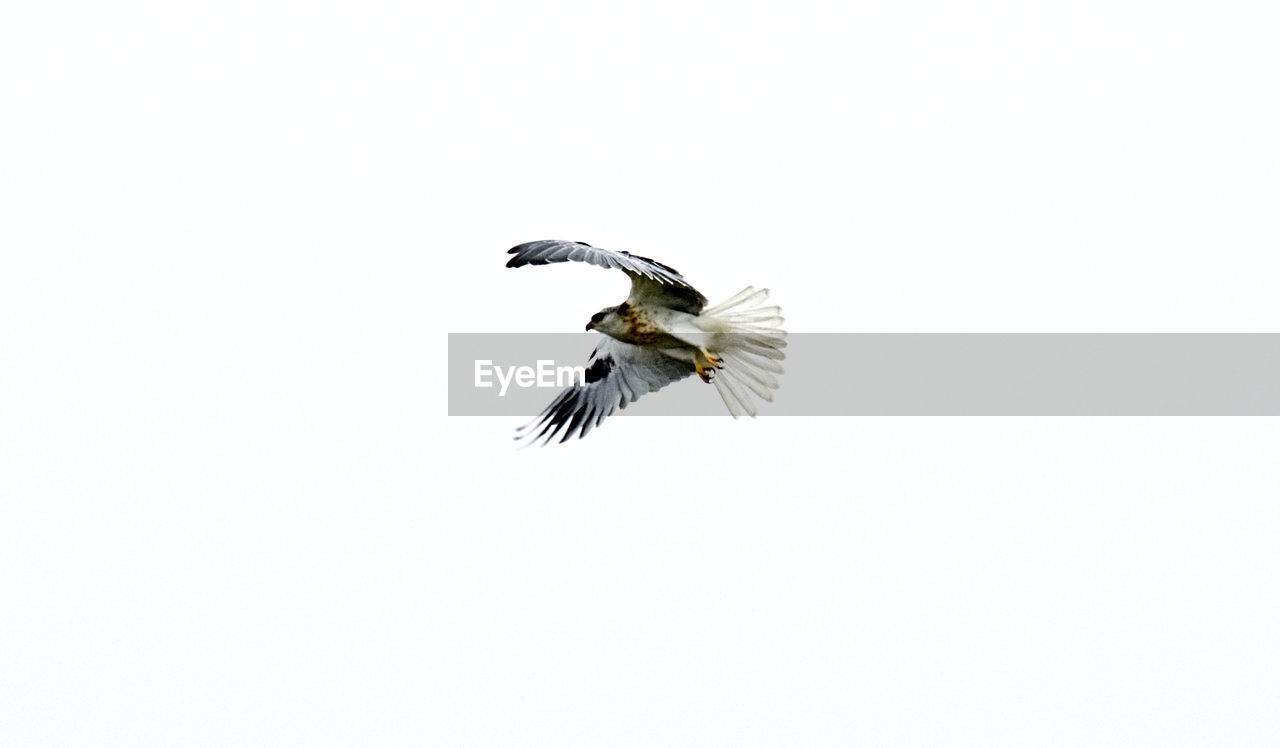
(749, 343)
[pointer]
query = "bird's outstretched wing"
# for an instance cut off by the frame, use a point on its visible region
(650, 279)
(618, 374)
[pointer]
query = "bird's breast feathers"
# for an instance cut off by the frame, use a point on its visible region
(643, 327)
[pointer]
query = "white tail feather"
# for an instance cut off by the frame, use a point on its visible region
(733, 301)
(749, 340)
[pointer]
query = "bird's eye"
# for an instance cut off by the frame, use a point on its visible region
(597, 318)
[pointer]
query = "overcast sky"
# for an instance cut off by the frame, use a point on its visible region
(235, 511)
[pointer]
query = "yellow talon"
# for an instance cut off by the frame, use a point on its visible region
(707, 371)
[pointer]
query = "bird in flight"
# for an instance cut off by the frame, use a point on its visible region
(662, 333)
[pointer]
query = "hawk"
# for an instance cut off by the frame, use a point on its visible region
(662, 333)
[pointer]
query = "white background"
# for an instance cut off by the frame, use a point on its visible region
(235, 512)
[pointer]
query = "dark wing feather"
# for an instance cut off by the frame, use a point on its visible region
(617, 374)
(650, 279)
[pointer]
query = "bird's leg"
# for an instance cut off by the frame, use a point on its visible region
(707, 370)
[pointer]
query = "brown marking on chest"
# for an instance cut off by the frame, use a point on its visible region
(641, 329)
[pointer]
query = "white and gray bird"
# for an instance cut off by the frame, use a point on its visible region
(662, 333)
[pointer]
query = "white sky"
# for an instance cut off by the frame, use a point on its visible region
(235, 511)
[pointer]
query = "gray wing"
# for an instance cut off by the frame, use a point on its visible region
(650, 279)
(618, 374)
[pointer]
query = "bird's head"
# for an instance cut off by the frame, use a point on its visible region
(609, 320)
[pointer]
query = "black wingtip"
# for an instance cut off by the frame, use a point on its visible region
(521, 246)
(518, 261)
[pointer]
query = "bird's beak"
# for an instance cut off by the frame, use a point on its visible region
(590, 325)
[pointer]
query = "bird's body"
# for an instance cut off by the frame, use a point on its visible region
(663, 332)
(639, 324)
